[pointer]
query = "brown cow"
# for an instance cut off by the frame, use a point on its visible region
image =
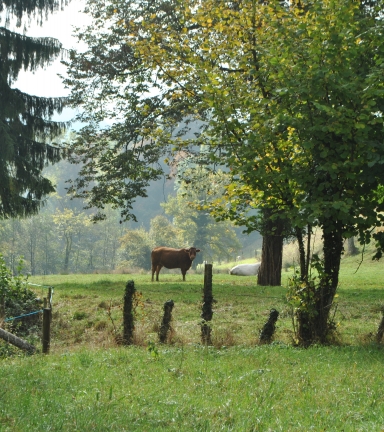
(172, 258)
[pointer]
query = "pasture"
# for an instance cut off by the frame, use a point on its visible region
(89, 382)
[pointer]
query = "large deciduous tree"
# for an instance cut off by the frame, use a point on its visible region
(306, 129)
(26, 131)
(291, 100)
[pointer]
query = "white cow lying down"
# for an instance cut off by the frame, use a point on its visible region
(245, 269)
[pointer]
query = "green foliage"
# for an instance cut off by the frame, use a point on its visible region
(53, 240)
(304, 295)
(26, 129)
(163, 233)
(135, 249)
(197, 188)
(19, 300)
(70, 225)
(153, 350)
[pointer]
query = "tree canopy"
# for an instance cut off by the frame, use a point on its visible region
(26, 131)
(291, 101)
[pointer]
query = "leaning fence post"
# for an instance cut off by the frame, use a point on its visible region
(128, 315)
(166, 322)
(207, 311)
(16, 341)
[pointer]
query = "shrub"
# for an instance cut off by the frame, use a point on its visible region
(19, 300)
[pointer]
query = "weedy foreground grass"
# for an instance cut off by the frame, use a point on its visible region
(90, 383)
(195, 388)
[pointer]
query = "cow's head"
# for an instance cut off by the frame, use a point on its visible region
(192, 251)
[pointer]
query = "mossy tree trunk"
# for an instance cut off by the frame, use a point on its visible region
(313, 322)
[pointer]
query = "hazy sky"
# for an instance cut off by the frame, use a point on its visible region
(60, 26)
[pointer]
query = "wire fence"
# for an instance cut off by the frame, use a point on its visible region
(22, 316)
(50, 293)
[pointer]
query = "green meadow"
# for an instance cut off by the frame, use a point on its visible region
(89, 382)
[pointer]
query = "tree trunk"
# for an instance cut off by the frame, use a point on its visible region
(302, 256)
(313, 322)
(304, 253)
(271, 253)
(351, 247)
(68, 247)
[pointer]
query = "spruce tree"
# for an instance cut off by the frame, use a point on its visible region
(26, 129)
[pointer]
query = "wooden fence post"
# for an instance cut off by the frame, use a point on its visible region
(266, 334)
(166, 322)
(47, 319)
(207, 311)
(128, 316)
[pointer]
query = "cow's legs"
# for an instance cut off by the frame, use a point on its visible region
(153, 271)
(183, 272)
(159, 267)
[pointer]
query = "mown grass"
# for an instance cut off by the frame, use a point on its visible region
(89, 383)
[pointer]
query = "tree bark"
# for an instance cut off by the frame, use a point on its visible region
(304, 253)
(351, 247)
(313, 323)
(302, 256)
(272, 252)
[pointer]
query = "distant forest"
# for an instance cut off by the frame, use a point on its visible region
(62, 239)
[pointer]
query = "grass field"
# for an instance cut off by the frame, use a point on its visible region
(90, 383)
